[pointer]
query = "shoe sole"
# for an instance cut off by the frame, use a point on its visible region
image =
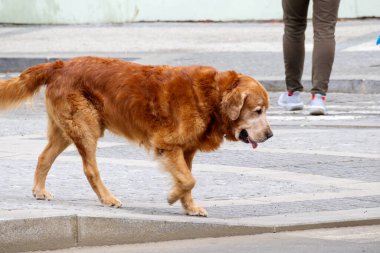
(292, 107)
(317, 111)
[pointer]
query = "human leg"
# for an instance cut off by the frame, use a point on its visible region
(295, 21)
(325, 15)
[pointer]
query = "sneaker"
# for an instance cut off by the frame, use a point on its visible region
(291, 101)
(318, 105)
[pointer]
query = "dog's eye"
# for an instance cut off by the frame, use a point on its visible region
(259, 111)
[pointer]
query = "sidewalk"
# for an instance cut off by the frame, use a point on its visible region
(316, 172)
(251, 48)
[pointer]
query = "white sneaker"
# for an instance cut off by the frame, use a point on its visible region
(318, 105)
(291, 101)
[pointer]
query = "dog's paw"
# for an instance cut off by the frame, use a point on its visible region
(196, 211)
(111, 201)
(42, 195)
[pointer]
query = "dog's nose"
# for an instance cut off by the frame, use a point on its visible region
(269, 134)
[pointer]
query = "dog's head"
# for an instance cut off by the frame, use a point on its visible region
(246, 105)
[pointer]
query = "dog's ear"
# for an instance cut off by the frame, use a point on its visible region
(233, 102)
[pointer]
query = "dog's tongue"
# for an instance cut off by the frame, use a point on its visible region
(254, 144)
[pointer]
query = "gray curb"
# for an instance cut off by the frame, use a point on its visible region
(363, 86)
(72, 231)
(18, 64)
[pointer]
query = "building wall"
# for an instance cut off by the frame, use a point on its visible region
(121, 11)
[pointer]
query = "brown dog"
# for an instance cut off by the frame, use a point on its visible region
(174, 111)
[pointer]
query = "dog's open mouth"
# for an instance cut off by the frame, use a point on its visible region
(244, 137)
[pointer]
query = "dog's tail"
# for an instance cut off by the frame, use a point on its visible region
(14, 91)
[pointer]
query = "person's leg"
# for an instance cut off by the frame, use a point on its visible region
(325, 15)
(295, 20)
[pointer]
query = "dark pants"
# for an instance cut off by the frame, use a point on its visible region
(325, 14)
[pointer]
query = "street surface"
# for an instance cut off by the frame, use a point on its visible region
(341, 240)
(314, 171)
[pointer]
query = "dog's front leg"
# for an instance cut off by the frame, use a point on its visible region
(190, 207)
(178, 163)
(187, 199)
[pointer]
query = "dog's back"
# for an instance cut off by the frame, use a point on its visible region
(161, 104)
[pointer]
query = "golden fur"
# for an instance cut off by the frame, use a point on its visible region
(174, 111)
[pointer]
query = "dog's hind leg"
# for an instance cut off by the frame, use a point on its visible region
(82, 123)
(87, 149)
(177, 164)
(57, 142)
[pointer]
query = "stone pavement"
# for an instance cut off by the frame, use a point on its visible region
(315, 172)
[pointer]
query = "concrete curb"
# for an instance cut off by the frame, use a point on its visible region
(18, 64)
(363, 86)
(51, 233)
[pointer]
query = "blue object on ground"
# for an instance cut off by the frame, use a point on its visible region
(378, 41)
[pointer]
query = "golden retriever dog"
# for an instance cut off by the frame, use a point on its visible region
(173, 111)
